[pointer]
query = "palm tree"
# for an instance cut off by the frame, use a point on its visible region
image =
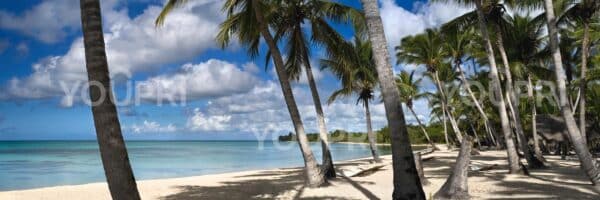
(458, 44)
(288, 24)
(456, 186)
(584, 12)
(525, 50)
(588, 163)
(113, 151)
(409, 91)
(435, 103)
(406, 179)
(500, 21)
(513, 159)
(427, 49)
(248, 20)
(500, 24)
(353, 64)
(452, 101)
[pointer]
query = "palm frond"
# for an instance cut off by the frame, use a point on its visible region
(168, 8)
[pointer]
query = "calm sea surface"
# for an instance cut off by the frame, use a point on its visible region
(34, 164)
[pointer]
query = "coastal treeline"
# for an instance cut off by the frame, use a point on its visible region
(382, 135)
(509, 57)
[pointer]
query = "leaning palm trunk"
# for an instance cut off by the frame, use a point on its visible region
(588, 163)
(486, 120)
(328, 168)
(476, 136)
(513, 158)
(444, 100)
(423, 128)
(406, 179)
(456, 186)
(582, 87)
(113, 151)
(532, 161)
(371, 135)
(454, 124)
(315, 177)
(522, 141)
(536, 142)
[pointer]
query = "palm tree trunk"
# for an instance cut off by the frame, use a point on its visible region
(513, 159)
(371, 135)
(486, 120)
(328, 167)
(476, 136)
(314, 175)
(113, 151)
(423, 128)
(536, 142)
(514, 109)
(445, 107)
(406, 180)
(575, 105)
(588, 163)
(419, 164)
(532, 160)
(445, 129)
(456, 186)
(454, 125)
(582, 87)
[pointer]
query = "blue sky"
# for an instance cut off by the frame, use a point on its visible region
(227, 94)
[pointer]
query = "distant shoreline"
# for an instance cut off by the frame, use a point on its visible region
(378, 144)
(383, 144)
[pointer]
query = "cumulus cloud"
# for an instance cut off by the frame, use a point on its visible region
(399, 22)
(199, 122)
(152, 127)
(263, 110)
(212, 78)
(239, 100)
(132, 45)
(317, 75)
(49, 21)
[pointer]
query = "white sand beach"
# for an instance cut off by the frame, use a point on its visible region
(561, 180)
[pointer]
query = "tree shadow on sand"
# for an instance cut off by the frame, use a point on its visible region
(265, 185)
(550, 191)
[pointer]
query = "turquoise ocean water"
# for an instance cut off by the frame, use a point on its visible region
(34, 164)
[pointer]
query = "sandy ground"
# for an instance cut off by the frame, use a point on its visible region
(561, 180)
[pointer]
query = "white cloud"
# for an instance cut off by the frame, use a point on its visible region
(250, 67)
(199, 122)
(317, 75)
(212, 78)
(399, 22)
(49, 21)
(152, 127)
(263, 110)
(132, 45)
